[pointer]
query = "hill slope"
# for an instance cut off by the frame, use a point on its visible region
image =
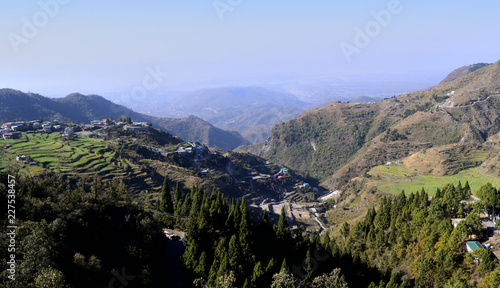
(83, 108)
(462, 71)
(339, 142)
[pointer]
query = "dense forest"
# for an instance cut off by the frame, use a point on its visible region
(412, 239)
(78, 232)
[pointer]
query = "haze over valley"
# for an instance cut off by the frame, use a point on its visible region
(249, 144)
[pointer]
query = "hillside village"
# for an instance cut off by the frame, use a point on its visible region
(290, 196)
(284, 189)
(12, 130)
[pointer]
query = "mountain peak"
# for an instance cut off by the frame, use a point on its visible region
(463, 71)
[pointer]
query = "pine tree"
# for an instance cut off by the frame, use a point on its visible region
(284, 266)
(392, 283)
(466, 191)
(223, 268)
(197, 200)
(283, 232)
(177, 199)
(166, 204)
(201, 269)
(219, 255)
(258, 271)
(186, 205)
(233, 253)
(309, 265)
(244, 232)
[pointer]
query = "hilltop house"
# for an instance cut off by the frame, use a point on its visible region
(136, 127)
(96, 123)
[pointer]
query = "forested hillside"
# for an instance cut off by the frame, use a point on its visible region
(73, 233)
(79, 233)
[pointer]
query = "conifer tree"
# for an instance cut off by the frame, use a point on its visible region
(186, 205)
(244, 233)
(224, 267)
(166, 204)
(202, 267)
(233, 253)
(177, 199)
(283, 232)
(284, 266)
(466, 191)
(258, 272)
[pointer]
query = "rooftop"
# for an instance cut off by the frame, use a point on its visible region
(473, 245)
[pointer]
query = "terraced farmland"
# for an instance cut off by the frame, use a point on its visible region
(83, 156)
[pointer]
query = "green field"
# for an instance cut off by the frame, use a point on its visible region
(393, 179)
(82, 155)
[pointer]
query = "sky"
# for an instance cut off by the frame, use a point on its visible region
(56, 47)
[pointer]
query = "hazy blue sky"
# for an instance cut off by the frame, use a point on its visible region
(103, 46)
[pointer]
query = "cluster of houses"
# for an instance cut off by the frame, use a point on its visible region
(12, 130)
(105, 123)
(190, 148)
(135, 126)
(487, 221)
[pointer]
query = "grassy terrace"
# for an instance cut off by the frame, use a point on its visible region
(393, 179)
(81, 155)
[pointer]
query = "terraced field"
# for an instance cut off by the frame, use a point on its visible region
(84, 156)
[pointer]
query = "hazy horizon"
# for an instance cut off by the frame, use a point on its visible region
(58, 47)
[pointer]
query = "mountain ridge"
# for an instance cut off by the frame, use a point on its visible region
(339, 142)
(78, 108)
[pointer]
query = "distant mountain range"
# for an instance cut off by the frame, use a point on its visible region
(16, 105)
(451, 121)
(252, 111)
